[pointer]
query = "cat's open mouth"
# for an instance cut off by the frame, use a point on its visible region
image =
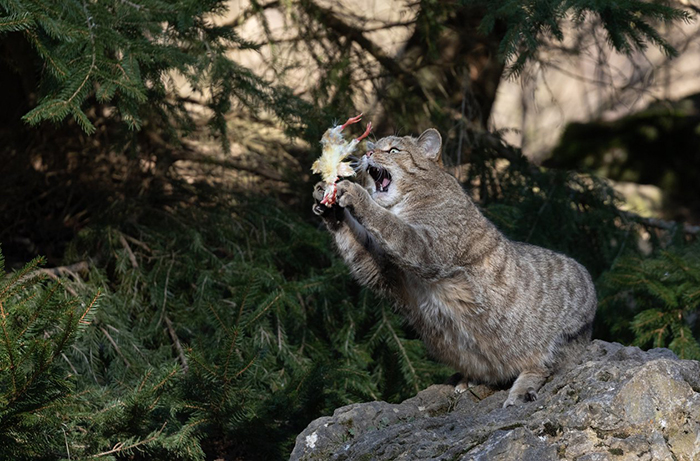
(382, 178)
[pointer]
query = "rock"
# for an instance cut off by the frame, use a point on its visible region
(615, 403)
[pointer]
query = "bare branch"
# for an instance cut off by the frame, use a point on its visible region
(249, 13)
(178, 346)
(663, 224)
(357, 35)
(58, 279)
(126, 246)
(193, 156)
(138, 243)
(116, 347)
(81, 266)
(689, 5)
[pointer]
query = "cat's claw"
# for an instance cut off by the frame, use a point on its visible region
(319, 210)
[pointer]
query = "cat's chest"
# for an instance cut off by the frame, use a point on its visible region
(398, 210)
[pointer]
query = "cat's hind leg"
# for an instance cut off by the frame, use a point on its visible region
(525, 387)
(460, 382)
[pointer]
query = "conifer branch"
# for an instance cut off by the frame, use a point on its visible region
(8, 345)
(144, 380)
(58, 346)
(37, 312)
(90, 25)
(264, 310)
(55, 66)
(218, 319)
(90, 306)
(240, 372)
(164, 380)
(408, 360)
(121, 446)
(26, 271)
(65, 438)
(165, 289)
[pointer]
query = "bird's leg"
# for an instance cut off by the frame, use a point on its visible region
(366, 133)
(329, 195)
(350, 121)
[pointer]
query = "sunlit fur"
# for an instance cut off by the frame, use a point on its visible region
(494, 309)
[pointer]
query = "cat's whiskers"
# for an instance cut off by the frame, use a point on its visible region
(355, 163)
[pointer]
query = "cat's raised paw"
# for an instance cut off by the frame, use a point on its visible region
(349, 194)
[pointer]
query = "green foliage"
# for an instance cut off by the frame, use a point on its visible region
(226, 324)
(133, 417)
(629, 24)
(125, 55)
(663, 294)
(39, 323)
(249, 319)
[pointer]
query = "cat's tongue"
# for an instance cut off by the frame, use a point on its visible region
(385, 183)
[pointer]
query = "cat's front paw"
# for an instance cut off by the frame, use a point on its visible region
(351, 194)
(331, 215)
(319, 190)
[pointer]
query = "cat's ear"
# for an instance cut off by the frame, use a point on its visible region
(431, 142)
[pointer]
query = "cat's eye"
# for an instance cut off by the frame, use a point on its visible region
(394, 150)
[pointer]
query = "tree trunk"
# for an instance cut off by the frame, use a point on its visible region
(451, 74)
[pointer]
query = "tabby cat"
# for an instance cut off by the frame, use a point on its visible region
(494, 309)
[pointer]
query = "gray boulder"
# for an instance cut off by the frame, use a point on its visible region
(615, 403)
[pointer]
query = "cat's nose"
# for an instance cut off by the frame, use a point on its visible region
(369, 153)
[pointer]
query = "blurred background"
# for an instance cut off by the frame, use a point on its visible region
(167, 292)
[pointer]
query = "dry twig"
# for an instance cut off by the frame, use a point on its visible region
(126, 246)
(178, 346)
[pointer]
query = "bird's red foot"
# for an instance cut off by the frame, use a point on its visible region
(366, 133)
(350, 121)
(330, 195)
